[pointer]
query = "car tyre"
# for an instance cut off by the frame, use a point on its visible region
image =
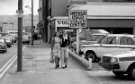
(118, 74)
(132, 73)
(90, 55)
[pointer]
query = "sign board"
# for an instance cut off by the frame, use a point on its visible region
(78, 19)
(62, 22)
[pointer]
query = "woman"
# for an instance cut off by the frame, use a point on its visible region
(56, 50)
(65, 41)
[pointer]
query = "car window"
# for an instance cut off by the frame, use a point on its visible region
(109, 40)
(127, 41)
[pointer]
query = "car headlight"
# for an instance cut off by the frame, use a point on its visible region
(114, 60)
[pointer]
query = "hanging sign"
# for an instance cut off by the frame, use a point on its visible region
(78, 19)
(62, 23)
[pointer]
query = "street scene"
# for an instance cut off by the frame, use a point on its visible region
(67, 42)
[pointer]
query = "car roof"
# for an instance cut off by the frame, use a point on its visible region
(99, 34)
(129, 35)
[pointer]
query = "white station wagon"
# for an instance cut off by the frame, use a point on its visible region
(120, 63)
(109, 44)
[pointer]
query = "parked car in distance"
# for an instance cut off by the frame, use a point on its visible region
(26, 37)
(9, 40)
(3, 46)
(109, 44)
(122, 63)
(5, 41)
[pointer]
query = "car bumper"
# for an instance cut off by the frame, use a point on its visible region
(3, 49)
(109, 66)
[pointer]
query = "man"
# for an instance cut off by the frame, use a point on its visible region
(65, 41)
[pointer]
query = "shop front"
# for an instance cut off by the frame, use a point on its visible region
(59, 24)
(113, 17)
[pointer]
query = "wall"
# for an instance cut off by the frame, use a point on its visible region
(111, 23)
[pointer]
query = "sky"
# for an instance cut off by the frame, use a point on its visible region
(9, 7)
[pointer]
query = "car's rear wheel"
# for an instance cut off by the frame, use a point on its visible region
(132, 72)
(118, 74)
(90, 55)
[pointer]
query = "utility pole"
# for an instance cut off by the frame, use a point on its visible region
(45, 20)
(32, 30)
(20, 23)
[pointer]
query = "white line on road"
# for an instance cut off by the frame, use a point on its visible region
(5, 67)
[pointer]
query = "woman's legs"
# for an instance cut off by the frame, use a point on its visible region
(57, 59)
(66, 57)
(62, 57)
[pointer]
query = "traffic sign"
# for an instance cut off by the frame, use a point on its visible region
(78, 19)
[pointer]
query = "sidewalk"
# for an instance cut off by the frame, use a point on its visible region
(38, 70)
(35, 65)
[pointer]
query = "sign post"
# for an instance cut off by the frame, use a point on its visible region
(78, 20)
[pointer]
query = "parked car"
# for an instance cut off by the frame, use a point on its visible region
(26, 37)
(92, 39)
(111, 43)
(9, 40)
(3, 47)
(120, 64)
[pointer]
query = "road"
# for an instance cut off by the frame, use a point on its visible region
(4, 57)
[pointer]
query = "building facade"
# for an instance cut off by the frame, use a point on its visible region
(111, 22)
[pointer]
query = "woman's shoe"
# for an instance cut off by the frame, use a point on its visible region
(57, 66)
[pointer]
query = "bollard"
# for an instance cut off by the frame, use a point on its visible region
(90, 64)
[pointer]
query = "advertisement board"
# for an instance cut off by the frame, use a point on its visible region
(78, 19)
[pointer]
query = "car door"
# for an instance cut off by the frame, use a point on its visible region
(109, 45)
(126, 43)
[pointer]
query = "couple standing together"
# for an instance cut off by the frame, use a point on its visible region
(61, 41)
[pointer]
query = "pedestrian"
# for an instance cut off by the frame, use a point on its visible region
(65, 41)
(56, 50)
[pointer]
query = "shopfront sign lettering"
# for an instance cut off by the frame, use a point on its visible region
(62, 23)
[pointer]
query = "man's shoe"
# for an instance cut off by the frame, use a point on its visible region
(64, 67)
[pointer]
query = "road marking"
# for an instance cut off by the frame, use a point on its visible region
(4, 69)
(6, 66)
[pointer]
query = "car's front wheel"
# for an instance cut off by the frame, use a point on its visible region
(132, 73)
(90, 55)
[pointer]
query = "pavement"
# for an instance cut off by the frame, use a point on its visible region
(38, 70)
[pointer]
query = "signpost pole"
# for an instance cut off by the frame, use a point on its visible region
(78, 41)
(78, 20)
